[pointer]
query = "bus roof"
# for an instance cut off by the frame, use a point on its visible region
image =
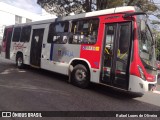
(100, 12)
(82, 15)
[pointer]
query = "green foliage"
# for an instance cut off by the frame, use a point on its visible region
(156, 36)
(61, 7)
(145, 5)
(65, 7)
(155, 22)
(158, 16)
(158, 47)
(103, 4)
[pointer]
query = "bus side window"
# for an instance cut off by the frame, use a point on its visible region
(61, 30)
(73, 39)
(84, 31)
(51, 33)
(16, 34)
(57, 32)
(25, 35)
(74, 27)
(93, 30)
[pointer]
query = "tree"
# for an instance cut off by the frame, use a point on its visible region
(65, 7)
(62, 7)
(158, 48)
(156, 35)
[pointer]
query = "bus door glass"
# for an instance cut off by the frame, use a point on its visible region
(36, 47)
(116, 55)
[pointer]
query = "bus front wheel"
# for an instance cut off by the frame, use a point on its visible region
(80, 76)
(19, 61)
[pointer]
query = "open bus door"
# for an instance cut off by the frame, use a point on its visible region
(36, 47)
(6, 43)
(116, 55)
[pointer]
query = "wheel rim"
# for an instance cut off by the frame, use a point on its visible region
(19, 61)
(80, 75)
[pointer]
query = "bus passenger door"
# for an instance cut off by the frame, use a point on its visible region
(36, 47)
(116, 55)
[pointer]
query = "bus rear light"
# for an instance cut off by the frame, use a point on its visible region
(141, 73)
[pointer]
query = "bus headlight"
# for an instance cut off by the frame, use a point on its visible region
(141, 73)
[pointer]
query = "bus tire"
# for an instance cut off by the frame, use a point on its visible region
(80, 76)
(19, 61)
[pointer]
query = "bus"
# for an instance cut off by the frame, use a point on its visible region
(112, 47)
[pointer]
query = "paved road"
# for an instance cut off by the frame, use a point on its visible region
(40, 90)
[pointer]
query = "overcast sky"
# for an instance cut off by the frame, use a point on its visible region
(30, 5)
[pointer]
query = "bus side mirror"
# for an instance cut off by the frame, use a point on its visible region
(143, 25)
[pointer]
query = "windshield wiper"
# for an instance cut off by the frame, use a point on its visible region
(148, 66)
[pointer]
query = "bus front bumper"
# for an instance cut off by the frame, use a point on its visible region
(138, 85)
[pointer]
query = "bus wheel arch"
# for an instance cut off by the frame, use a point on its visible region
(19, 60)
(79, 73)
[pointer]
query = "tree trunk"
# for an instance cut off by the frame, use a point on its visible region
(130, 2)
(88, 4)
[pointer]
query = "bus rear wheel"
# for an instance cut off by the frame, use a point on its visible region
(80, 76)
(19, 61)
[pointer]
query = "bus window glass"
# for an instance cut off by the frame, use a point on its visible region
(123, 47)
(74, 27)
(108, 53)
(58, 32)
(25, 35)
(110, 38)
(16, 34)
(51, 33)
(62, 27)
(123, 42)
(146, 47)
(84, 31)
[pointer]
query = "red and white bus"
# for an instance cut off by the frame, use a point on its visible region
(113, 47)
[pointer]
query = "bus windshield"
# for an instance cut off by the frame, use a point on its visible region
(146, 47)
